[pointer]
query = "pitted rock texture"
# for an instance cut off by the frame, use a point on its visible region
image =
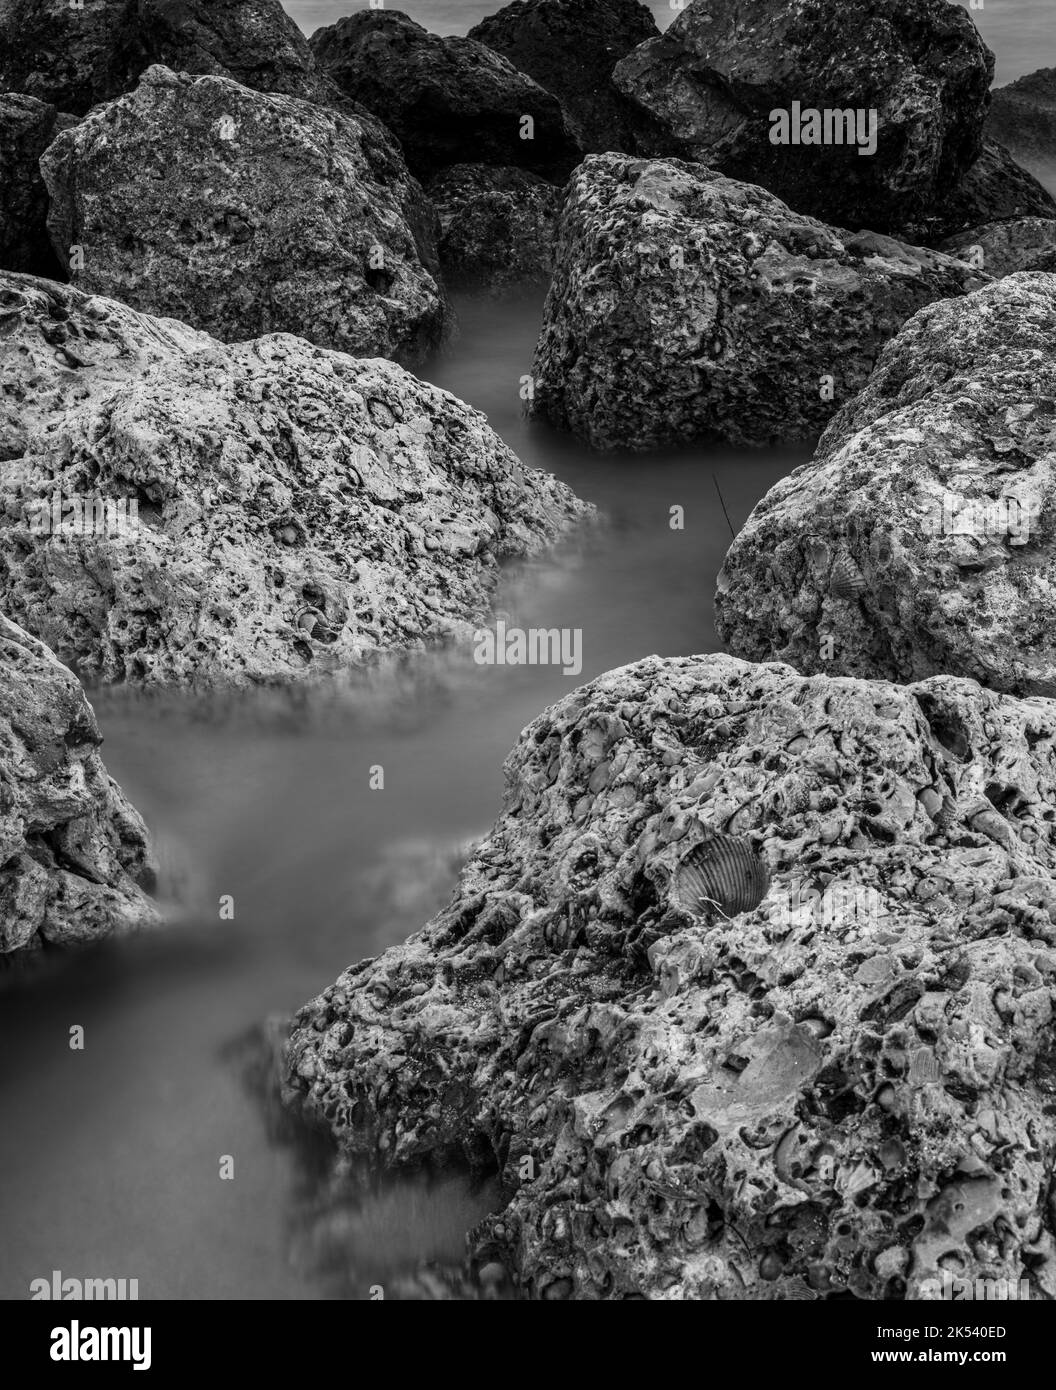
(27, 128)
(298, 510)
(995, 189)
(716, 74)
(686, 305)
(847, 1089)
(1002, 248)
(77, 58)
(570, 47)
(920, 538)
(75, 862)
(1023, 117)
(241, 213)
(497, 226)
(449, 100)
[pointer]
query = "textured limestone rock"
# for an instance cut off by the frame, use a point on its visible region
(570, 47)
(716, 74)
(75, 863)
(1001, 248)
(847, 1088)
(449, 100)
(497, 226)
(242, 213)
(995, 189)
(1023, 117)
(686, 305)
(27, 128)
(297, 510)
(920, 539)
(76, 58)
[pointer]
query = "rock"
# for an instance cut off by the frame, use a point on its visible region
(75, 864)
(276, 510)
(995, 189)
(843, 1090)
(920, 539)
(27, 128)
(1023, 117)
(241, 213)
(449, 100)
(714, 77)
(1002, 248)
(570, 47)
(76, 58)
(497, 226)
(686, 305)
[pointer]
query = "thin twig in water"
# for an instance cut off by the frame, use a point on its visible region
(725, 513)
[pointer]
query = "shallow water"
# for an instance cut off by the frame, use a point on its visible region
(111, 1156)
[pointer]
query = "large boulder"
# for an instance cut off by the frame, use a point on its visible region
(686, 305)
(1002, 248)
(696, 1091)
(27, 128)
(75, 863)
(921, 537)
(449, 100)
(570, 47)
(1023, 117)
(497, 226)
(995, 189)
(76, 57)
(721, 70)
(242, 213)
(179, 512)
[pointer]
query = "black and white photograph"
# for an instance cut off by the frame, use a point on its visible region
(527, 672)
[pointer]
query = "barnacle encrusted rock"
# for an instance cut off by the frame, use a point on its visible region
(497, 226)
(850, 1088)
(449, 100)
(297, 510)
(716, 75)
(75, 863)
(935, 487)
(686, 305)
(241, 213)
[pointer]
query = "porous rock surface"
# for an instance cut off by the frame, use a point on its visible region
(241, 213)
(77, 58)
(920, 538)
(75, 863)
(1002, 248)
(298, 510)
(686, 305)
(497, 226)
(570, 47)
(714, 76)
(847, 1089)
(449, 100)
(995, 189)
(27, 128)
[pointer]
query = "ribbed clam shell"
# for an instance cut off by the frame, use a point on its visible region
(846, 580)
(923, 1067)
(724, 872)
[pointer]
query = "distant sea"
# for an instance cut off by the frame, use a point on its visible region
(1022, 33)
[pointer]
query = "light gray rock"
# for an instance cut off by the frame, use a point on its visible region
(840, 1090)
(716, 74)
(75, 863)
(920, 538)
(297, 510)
(686, 305)
(241, 213)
